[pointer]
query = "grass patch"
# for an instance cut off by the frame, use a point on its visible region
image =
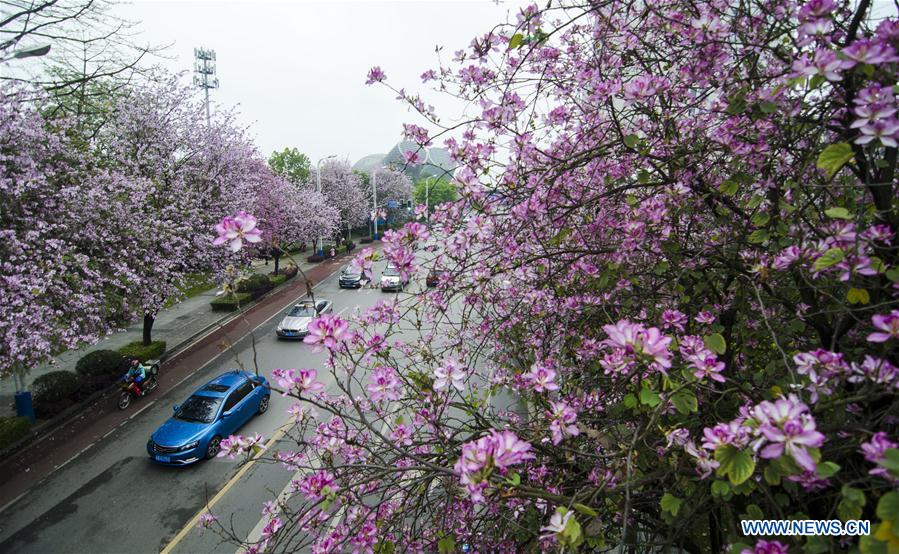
(13, 429)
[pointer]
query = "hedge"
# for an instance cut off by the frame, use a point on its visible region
(315, 259)
(366, 240)
(255, 282)
(55, 386)
(278, 280)
(13, 429)
(289, 271)
(100, 362)
(231, 302)
(143, 353)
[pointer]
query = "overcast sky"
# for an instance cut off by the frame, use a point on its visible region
(296, 70)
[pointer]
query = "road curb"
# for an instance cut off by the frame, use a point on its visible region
(44, 430)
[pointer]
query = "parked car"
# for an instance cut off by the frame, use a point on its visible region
(391, 280)
(433, 278)
(351, 278)
(216, 410)
(295, 323)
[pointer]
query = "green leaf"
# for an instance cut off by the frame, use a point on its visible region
(829, 258)
(760, 219)
(515, 41)
(853, 495)
(446, 545)
(685, 402)
(754, 512)
(890, 460)
(586, 510)
(716, 343)
(768, 107)
(888, 507)
(720, 488)
(631, 141)
(737, 465)
(643, 176)
(838, 213)
(847, 510)
(834, 157)
(772, 476)
(650, 398)
(728, 187)
(671, 503)
(385, 547)
(869, 545)
(572, 533)
(858, 296)
(827, 469)
(893, 274)
(758, 236)
(630, 401)
(737, 103)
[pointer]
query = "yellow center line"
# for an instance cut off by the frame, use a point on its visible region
(193, 522)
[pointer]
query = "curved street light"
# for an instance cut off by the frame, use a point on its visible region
(318, 188)
(28, 53)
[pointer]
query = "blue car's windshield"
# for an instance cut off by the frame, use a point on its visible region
(201, 409)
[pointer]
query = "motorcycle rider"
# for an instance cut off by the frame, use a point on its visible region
(136, 373)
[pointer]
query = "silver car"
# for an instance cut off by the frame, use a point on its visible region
(391, 280)
(295, 324)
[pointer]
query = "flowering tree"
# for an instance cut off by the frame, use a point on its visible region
(193, 174)
(342, 189)
(672, 307)
(391, 184)
(60, 275)
(288, 213)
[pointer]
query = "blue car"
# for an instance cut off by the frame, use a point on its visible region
(218, 409)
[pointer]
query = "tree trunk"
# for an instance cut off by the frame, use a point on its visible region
(276, 256)
(148, 328)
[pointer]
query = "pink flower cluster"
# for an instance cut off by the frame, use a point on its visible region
(384, 384)
(235, 230)
(451, 373)
(787, 426)
(236, 445)
(875, 109)
(297, 381)
(563, 421)
(499, 450)
(704, 362)
(541, 378)
(632, 343)
(874, 450)
(327, 331)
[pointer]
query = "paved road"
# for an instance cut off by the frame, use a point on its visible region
(111, 498)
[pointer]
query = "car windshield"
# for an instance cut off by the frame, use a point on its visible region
(350, 270)
(201, 409)
(391, 272)
(302, 311)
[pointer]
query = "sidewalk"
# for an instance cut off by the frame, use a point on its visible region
(174, 325)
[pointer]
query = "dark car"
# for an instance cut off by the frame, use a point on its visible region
(351, 278)
(212, 413)
(433, 278)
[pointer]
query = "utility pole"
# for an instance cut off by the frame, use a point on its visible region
(374, 203)
(204, 75)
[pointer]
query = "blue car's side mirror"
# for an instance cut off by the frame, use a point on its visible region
(175, 408)
(226, 414)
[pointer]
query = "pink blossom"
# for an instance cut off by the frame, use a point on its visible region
(375, 75)
(788, 427)
(327, 331)
(384, 384)
(557, 523)
(541, 378)
(563, 420)
(450, 373)
(636, 339)
(874, 451)
(767, 547)
(234, 230)
(889, 324)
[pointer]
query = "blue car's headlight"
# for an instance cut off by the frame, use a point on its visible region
(190, 446)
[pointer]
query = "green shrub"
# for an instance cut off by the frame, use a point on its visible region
(315, 259)
(55, 386)
(289, 271)
(143, 353)
(279, 279)
(100, 362)
(231, 302)
(255, 282)
(13, 429)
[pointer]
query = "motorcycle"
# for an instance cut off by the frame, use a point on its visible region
(129, 390)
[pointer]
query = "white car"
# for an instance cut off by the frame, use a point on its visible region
(391, 280)
(295, 324)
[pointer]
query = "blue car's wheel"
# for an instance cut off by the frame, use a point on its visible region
(215, 444)
(263, 404)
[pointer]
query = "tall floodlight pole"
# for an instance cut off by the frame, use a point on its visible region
(318, 187)
(204, 75)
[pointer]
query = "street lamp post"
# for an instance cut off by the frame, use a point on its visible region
(374, 203)
(28, 53)
(318, 187)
